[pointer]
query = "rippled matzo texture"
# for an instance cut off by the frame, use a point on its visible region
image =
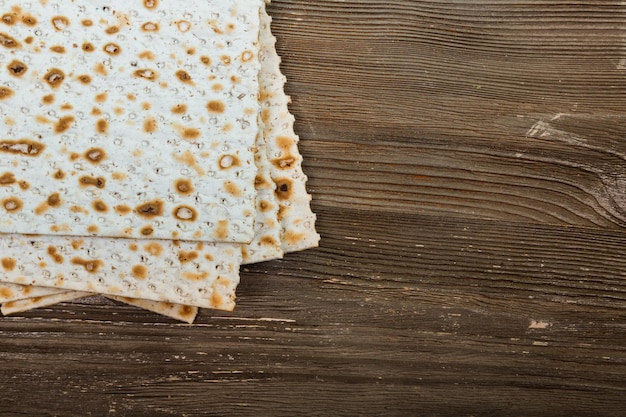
(129, 120)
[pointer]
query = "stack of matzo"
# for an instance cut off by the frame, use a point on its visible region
(146, 152)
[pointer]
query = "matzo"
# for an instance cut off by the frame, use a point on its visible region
(129, 119)
(192, 273)
(297, 220)
(266, 243)
(20, 306)
(295, 215)
(175, 311)
(13, 292)
(159, 265)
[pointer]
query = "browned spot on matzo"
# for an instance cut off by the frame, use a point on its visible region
(95, 155)
(88, 47)
(63, 124)
(268, 240)
(154, 248)
(102, 126)
(12, 204)
(293, 238)
(112, 49)
(229, 161)
(232, 189)
(146, 74)
(216, 298)
(8, 41)
(29, 20)
(91, 266)
(100, 206)
(216, 106)
(5, 93)
(17, 68)
(150, 209)
(246, 56)
(185, 213)
(122, 209)
(183, 186)
(150, 125)
(6, 292)
(285, 143)
(87, 180)
(283, 188)
(147, 55)
(151, 4)
(7, 178)
(150, 27)
(222, 229)
(286, 162)
(260, 181)
(53, 200)
(189, 159)
(265, 205)
(84, 78)
(139, 271)
(60, 22)
(184, 76)
(55, 255)
(21, 147)
(185, 310)
(8, 19)
(187, 256)
(195, 276)
(8, 264)
(101, 69)
(147, 231)
(54, 77)
(179, 109)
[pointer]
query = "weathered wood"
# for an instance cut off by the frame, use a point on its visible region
(467, 162)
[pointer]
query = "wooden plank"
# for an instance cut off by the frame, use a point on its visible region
(469, 108)
(487, 315)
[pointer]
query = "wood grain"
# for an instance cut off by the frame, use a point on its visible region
(467, 164)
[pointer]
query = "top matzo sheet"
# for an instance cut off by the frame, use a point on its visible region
(129, 118)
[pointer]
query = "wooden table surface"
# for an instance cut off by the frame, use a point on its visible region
(467, 165)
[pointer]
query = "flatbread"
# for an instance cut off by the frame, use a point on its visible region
(101, 96)
(296, 210)
(17, 298)
(206, 273)
(175, 311)
(122, 266)
(266, 243)
(23, 257)
(19, 306)
(12, 292)
(294, 214)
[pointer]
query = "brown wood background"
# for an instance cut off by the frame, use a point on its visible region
(467, 162)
